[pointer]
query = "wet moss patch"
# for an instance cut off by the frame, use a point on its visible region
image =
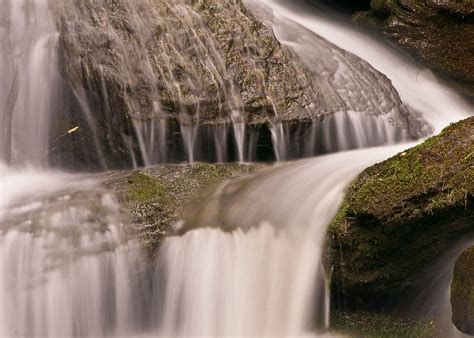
(155, 198)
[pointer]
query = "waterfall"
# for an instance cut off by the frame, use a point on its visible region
(250, 264)
(261, 274)
(418, 87)
(69, 266)
(28, 80)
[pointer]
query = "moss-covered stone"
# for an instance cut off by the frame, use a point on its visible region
(439, 33)
(401, 214)
(462, 292)
(377, 325)
(154, 198)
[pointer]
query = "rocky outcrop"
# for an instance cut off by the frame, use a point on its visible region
(439, 33)
(154, 199)
(462, 292)
(197, 59)
(130, 65)
(129, 62)
(399, 215)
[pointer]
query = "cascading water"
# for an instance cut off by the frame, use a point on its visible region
(68, 267)
(260, 274)
(28, 80)
(69, 264)
(418, 87)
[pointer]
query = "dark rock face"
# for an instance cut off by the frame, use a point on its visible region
(439, 33)
(462, 292)
(399, 215)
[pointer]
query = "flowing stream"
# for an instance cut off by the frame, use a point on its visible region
(69, 263)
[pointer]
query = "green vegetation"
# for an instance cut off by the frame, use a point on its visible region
(143, 188)
(155, 198)
(401, 214)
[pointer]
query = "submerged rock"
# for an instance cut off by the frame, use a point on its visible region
(399, 215)
(439, 33)
(462, 292)
(154, 199)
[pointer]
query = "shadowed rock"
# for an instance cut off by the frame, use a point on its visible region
(462, 292)
(401, 214)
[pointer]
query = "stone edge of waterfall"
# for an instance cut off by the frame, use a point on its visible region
(401, 214)
(154, 199)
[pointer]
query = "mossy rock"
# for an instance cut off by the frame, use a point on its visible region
(462, 292)
(154, 198)
(381, 325)
(438, 33)
(399, 215)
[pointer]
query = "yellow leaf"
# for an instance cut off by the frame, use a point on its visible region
(70, 131)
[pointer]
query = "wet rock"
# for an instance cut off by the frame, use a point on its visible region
(462, 292)
(154, 199)
(439, 33)
(207, 62)
(130, 65)
(197, 59)
(399, 215)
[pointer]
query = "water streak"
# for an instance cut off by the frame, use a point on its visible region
(28, 82)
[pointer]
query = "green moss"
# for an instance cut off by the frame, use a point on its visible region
(155, 198)
(401, 214)
(143, 188)
(367, 324)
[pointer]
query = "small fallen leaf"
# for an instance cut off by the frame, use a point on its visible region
(403, 154)
(70, 131)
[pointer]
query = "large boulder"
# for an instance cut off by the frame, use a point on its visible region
(401, 214)
(462, 292)
(439, 33)
(142, 72)
(130, 62)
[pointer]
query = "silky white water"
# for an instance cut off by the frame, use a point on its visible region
(28, 80)
(69, 264)
(262, 275)
(418, 87)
